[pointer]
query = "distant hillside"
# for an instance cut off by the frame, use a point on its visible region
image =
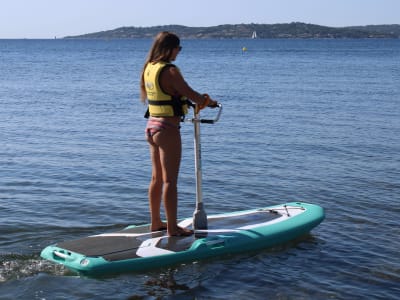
(239, 31)
(386, 29)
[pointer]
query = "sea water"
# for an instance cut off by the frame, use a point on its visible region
(303, 120)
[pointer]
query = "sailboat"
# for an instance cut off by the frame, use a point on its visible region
(254, 35)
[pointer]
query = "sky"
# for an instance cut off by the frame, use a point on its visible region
(59, 18)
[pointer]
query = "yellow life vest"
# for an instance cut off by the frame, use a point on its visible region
(160, 103)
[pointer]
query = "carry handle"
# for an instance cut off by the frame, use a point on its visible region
(61, 255)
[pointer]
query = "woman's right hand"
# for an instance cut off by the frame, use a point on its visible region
(209, 102)
(212, 103)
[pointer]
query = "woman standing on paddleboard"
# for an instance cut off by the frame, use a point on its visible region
(166, 92)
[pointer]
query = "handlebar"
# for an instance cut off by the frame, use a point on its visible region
(207, 121)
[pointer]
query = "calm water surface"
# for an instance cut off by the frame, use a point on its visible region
(304, 120)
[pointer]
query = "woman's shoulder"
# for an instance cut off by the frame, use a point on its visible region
(171, 69)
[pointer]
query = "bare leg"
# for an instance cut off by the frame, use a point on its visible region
(155, 188)
(170, 151)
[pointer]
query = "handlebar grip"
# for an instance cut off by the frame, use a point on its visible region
(207, 121)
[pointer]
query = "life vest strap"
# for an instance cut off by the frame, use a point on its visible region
(161, 102)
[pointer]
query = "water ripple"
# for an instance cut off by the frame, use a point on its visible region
(313, 121)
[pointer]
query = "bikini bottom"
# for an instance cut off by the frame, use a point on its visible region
(155, 125)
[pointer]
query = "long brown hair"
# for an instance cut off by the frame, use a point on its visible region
(161, 50)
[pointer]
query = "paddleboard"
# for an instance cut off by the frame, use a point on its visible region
(136, 248)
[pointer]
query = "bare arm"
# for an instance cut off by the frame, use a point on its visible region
(172, 82)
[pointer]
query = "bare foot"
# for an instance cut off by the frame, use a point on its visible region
(181, 232)
(159, 227)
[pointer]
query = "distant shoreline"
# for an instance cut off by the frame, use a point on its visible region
(296, 30)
